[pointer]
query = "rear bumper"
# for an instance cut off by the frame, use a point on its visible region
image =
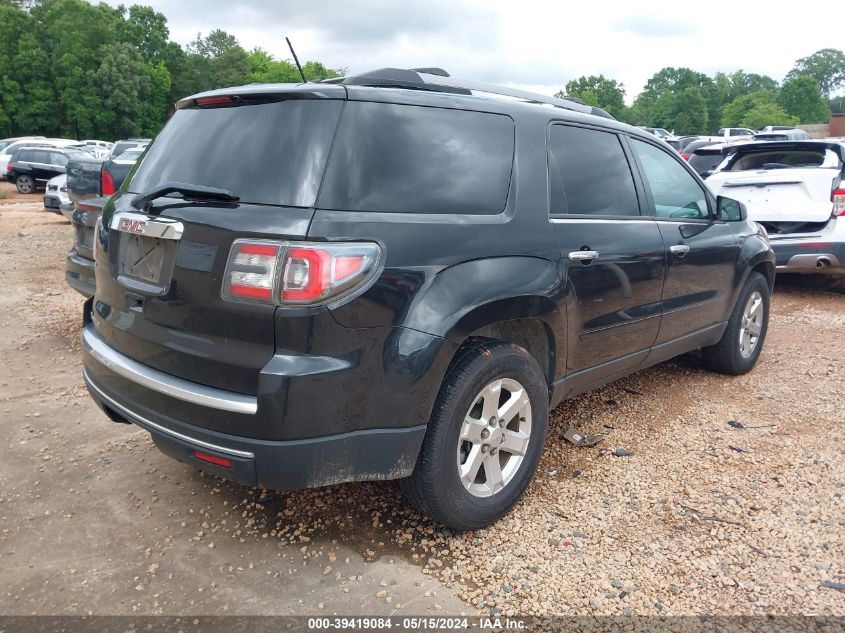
(820, 252)
(79, 274)
(139, 394)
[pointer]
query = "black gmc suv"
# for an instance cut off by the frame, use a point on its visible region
(397, 275)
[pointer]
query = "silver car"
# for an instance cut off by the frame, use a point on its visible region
(796, 190)
(56, 198)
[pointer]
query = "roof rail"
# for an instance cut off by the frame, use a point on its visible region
(438, 80)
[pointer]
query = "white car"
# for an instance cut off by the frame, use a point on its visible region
(8, 141)
(796, 190)
(56, 198)
(6, 152)
(733, 134)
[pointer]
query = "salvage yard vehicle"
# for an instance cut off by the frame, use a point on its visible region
(796, 190)
(782, 135)
(30, 168)
(56, 198)
(396, 275)
(79, 264)
(8, 150)
(90, 183)
(90, 176)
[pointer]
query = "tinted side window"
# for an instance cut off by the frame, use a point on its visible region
(402, 158)
(24, 156)
(676, 194)
(58, 159)
(589, 173)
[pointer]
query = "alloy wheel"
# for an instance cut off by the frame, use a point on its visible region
(751, 325)
(494, 437)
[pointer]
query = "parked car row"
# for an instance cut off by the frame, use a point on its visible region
(30, 162)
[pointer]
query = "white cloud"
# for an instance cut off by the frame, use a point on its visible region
(527, 43)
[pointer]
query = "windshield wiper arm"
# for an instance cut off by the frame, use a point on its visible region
(189, 191)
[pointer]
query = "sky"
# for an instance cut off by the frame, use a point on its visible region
(522, 43)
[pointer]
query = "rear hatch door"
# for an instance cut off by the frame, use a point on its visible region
(778, 192)
(161, 267)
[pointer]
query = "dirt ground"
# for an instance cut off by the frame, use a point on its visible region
(730, 502)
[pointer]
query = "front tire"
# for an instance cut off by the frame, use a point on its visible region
(739, 348)
(25, 184)
(484, 439)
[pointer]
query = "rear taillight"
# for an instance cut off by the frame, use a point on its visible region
(297, 273)
(684, 155)
(9, 167)
(107, 187)
(838, 199)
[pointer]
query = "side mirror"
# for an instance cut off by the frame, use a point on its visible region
(730, 210)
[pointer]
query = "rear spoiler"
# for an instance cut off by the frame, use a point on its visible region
(762, 146)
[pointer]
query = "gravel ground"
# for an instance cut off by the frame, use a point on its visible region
(730, 501)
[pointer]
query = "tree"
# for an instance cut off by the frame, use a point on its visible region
(742, 83)
(764, 114)
(826, 66)
(218, 60)
(691, 114)
(599, 91)
(146, 29)
(155, 93)
(121, 86)
(734, 112)
(802, 98)
(658, 104)
(36, 106)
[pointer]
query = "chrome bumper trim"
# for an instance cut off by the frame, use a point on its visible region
(144, 422)
(165, 383)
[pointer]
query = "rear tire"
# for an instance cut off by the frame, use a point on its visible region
(25, 184)
(489, 424)
(739, 348)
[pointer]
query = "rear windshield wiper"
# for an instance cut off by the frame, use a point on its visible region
(189, 191)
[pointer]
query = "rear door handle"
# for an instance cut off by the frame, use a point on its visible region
(679, 249)
(583, 256)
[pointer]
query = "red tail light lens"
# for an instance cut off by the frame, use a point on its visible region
(684, 155)
(9, 167)
(297, 273)
(838, 199)
(107, 187)
(251, 270)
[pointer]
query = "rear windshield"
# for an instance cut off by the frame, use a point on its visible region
(417, 159)
(268, 153)
(705, 162)
(785, 159)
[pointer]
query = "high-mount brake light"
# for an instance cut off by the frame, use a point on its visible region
(297, 273)
(207, 101)
(838, 199)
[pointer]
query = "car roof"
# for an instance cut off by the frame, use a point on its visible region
(478, 99)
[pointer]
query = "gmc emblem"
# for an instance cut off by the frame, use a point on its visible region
(132, 226)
